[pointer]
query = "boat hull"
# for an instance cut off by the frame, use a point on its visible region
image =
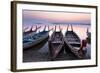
(73, 43)
(35, 42)
(56, 48)
(25, 36)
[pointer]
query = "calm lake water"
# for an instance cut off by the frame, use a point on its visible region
(42, 54)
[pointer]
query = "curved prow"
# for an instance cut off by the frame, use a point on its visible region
(31, 29)
(48, 28)
(60, 28)
(55, 27)
(67, 27)
(71, 27)
(37, 28)
(87, 31)
(44, 28)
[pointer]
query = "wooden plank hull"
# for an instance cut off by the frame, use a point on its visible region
(37, 45)
(56, 45)
(29, 34)
(73, 43)
(37, 39)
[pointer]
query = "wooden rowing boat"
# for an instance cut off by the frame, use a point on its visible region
(72, 42)
(35, 39)
(56, 43)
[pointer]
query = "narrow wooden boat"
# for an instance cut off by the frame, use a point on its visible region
(35, 39)
(72, 42)
(56, 43)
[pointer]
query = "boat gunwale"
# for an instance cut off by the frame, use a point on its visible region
(72, 48)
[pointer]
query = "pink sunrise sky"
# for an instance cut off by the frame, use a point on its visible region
(30, 16)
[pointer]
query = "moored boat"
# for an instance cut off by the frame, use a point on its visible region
(72, 42)
(56, 43)
(35, 39)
